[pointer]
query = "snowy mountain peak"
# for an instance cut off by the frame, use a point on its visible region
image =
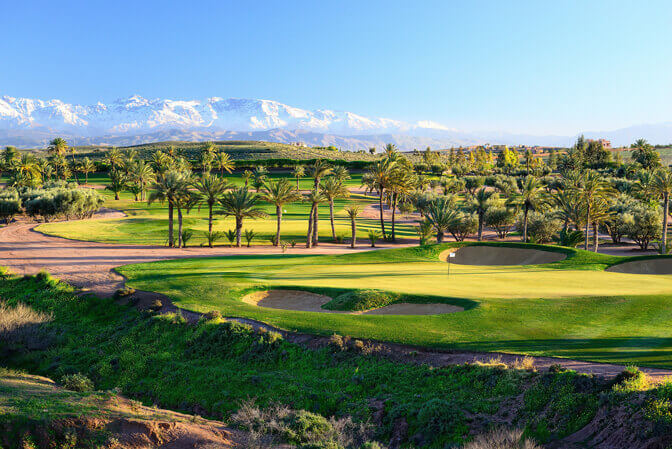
(138, 114)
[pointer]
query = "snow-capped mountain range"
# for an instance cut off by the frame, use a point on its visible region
(27, 122)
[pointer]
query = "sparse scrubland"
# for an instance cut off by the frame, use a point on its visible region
(340, 395)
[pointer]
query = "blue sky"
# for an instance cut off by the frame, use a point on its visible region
(537, 67)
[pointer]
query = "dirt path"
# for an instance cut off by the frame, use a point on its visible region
(88, 265)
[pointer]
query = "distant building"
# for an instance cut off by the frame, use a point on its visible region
(605, 143)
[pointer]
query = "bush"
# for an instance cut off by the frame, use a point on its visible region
(213, 315)
(630, 379)
(541, 228)
(362, 300)
(501, 439)
(77, 382)
(155, 305)
(124, 292)
(439, 418)
(463, 225)
(643, 224)
(502, 219)
(22, 329)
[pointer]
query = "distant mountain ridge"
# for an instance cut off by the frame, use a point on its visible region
(26, 122)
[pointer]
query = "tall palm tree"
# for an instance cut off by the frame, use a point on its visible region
(353, 210)
(601, 212)
(279, 193)
(26, 170)
(211, 189)
(531, 197)
(161, 163)
(298, 173)
(333, 188)
(240, 203)
(390, 149)
(315, 197)
(592, 190)
(224, 163)
(379, 178)
(319, 170)
(402, 183)
(168, 188)
(142, 175)
(480, 204)
(87, 166)
(341, 173)
(662, 186)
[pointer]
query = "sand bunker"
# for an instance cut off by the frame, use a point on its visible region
(312, 302)
(501, 255)
(647, 266)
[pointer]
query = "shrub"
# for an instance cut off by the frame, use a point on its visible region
(155, 305)
(212, 315)
(630, 379)
(502, 219)
(187, 234)
(374, 236)
(463, 225)
(501, 439)
(439, 418)
(361, 300)
(77, 382)
(22, 328)
(541, 228)
(124, 292)
(643, 224)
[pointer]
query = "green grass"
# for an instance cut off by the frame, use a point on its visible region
(148, 224)
(213, 366)
(571, 308)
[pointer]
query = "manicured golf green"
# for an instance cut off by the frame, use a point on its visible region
(148, 224)
(571, 308)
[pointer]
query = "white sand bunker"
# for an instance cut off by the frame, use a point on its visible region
(647, 266)
(501, 255)
(312, 302)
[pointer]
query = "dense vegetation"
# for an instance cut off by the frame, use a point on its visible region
(215, 368)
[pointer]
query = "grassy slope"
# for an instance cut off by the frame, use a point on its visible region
(148, 224)
(214, 366)
(571, 308)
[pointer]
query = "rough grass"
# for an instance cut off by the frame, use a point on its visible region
(572, 308)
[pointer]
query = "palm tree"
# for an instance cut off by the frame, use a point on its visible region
(331, 189)
(240, 203)
(117, 183)
(58, 146)
(87, 166)
(26, 170)
(531, 197)
(247, 174)
(379, 178)
(298, 173)
(480, 204)
(592, 189)
(662, 186)
(114, 158)
(440, 213)
(353, 210)
(341, 173)
(162, 162)
(315, 197)
(211, 189)
(601, 212)
(319, 170)
(184, 201)
(390, 149)
(260, 176)
(168, 188)
(142, 175)
(401, 184)
(224, 163)
(279, 193)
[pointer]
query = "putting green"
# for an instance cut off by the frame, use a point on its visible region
(571, 308)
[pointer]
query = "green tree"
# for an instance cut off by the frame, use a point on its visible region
(224, 163)
(662, 186)
(87, 166)
(118, 180)
(332, 188)
(480, 205)
(279, 193)
(531, 197)
(211, 188)
(315, 197)
(240, 203)
(591, 191)
(353, 211)
(298, 173)
(168, 188)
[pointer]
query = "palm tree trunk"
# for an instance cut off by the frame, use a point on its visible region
(86, 177)
(239, 230)
(331, 218)
(210, 223)
(116, 195)
(666, 212)
(315, 220)
(354, 233)
(395, 198)
(382, 220)
(179, 227)
(585, 243)
(309, 237)
(439, 236)
(525, 224)
(595, 238)
(297, 184)
(171, 240)
(480, 226)
(278, 212)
